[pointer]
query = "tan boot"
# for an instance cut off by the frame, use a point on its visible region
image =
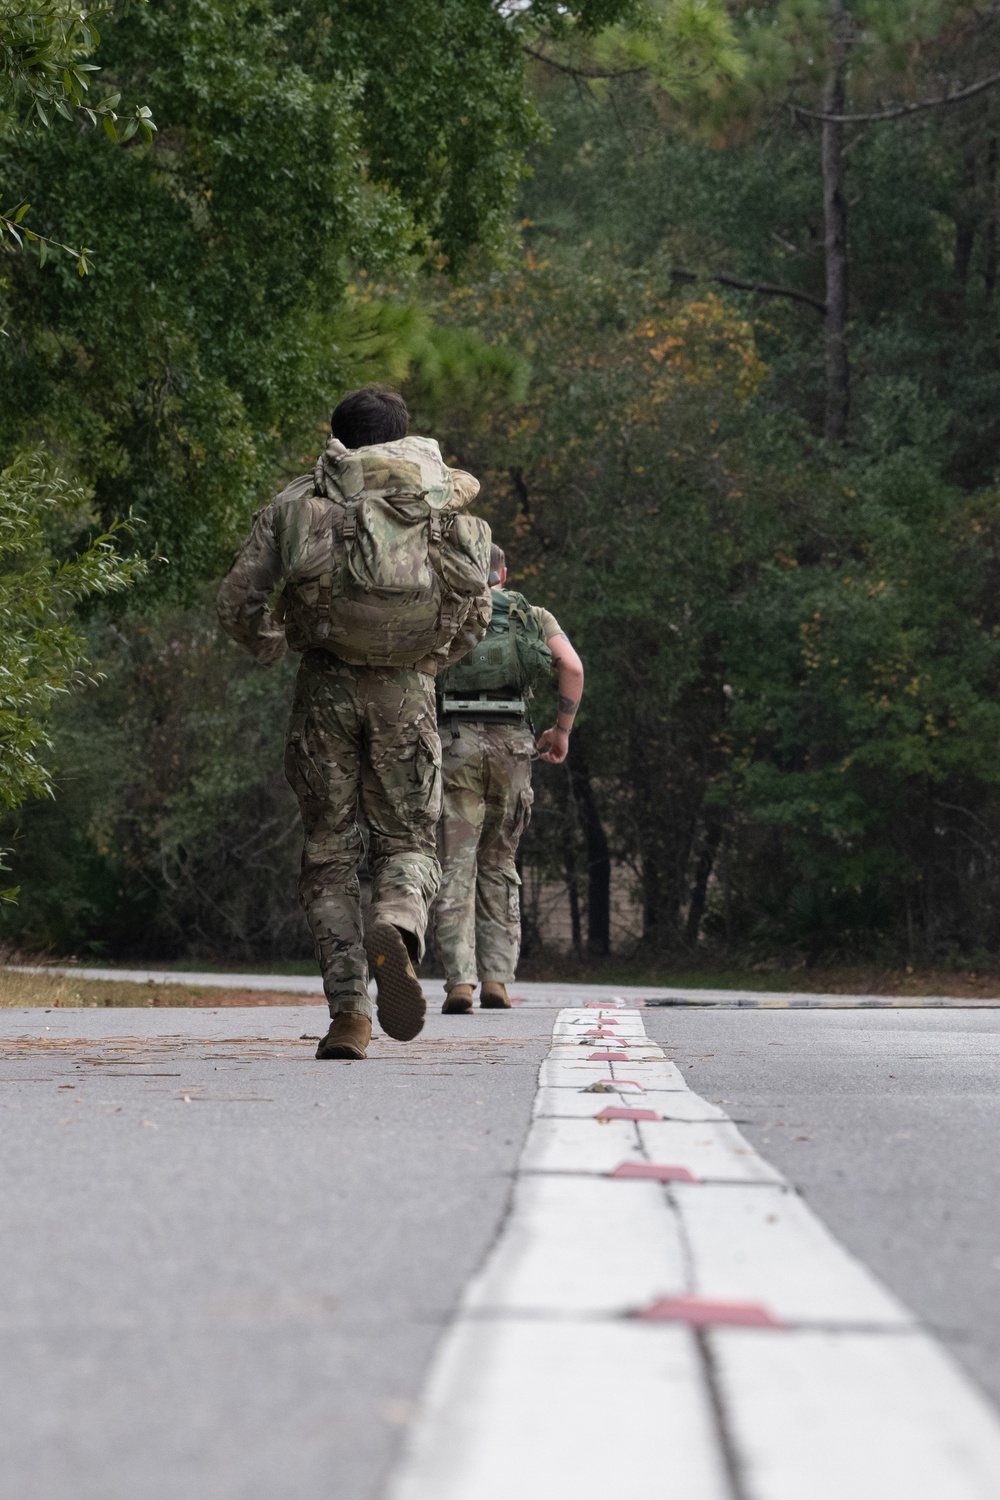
(493, 996)
(348, 1036)
(459, 1001)
(401, 1004)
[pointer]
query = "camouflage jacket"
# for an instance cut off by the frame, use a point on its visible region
(289, 531)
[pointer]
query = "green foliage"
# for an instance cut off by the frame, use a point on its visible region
(689, 49)
(173, 832)
(42, 652)
(45, 47)
(923, 254)
(790, 724)
(44, 72)
(785, 49)
(791, 718)
(443, 113)
(861, 733)
(193, 369)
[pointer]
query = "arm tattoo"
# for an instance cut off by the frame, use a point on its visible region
(568, 706)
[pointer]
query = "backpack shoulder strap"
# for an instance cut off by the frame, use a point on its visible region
(519, 608)
(343, 525)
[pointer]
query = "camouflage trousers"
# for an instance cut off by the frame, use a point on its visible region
(363, 738)
(487, 807)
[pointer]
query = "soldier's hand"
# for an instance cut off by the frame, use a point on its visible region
(553, 745)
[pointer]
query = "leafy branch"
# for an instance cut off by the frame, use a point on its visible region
(43, 653)
(14, 232)
(44, 47)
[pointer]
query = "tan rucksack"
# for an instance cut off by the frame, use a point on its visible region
(382, 568)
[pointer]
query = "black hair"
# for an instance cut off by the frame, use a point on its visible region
(374, 414)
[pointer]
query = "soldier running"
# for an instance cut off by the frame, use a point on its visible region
(385, 583)
(487, 752)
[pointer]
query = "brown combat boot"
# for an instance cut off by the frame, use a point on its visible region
(459, 1001)
(348, 1036)
(493, 996)
(401, 1004)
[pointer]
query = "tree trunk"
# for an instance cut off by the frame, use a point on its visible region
(990, 229)
(570, 866)
(706, 859)
(598, 854)
(530, 936)
(965, 226)
(838, 372)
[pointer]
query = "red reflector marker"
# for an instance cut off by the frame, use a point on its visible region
(699, 1312)
(608, 1057)
(658, 1171)
(616, 1112)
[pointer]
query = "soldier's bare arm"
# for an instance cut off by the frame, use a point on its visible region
(553, 744)
(243, 598)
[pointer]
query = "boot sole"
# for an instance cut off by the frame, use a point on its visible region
(401, 1005)
(453, 1008)
(495, 1005)
(340, 1049)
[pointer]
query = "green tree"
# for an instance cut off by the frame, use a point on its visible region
(834, 72)
(195, 366)
(45, 72)
(42, 649)
(767, 794)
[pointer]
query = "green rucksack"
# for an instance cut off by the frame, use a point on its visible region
(511, 655)
(382, 566)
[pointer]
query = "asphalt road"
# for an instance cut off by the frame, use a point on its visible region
(889, 1123)
(235, 1298)
(225, 1266)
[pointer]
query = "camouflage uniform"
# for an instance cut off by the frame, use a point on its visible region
(368, 736)
(487, 806)
(360, 737)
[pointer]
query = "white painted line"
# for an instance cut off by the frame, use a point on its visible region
(636, 1251)
(574, 1074)
(546, 1387)
(578, 1411)
(819, 1416)
(763, 1244)
(673, 1105)
(716, 1149)
(580, 1146)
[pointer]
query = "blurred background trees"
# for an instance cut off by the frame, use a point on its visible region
(729, 372)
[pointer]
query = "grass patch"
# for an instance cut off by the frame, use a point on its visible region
(845, 979)
(66, 992)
